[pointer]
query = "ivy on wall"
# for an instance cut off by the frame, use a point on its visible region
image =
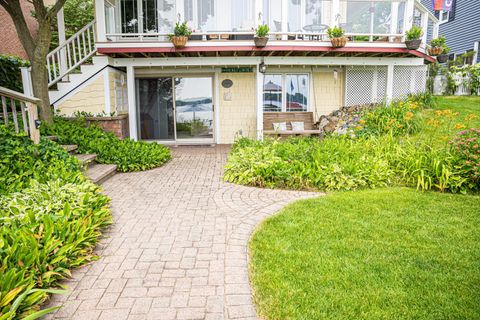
(10, 74)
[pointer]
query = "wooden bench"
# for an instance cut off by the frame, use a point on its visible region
(269, 118)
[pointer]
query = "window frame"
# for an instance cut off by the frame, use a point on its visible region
(285, 90)
(443, 16)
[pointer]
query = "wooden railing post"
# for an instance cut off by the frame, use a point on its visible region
(32, 118)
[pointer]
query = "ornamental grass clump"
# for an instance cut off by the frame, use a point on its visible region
(127, 154)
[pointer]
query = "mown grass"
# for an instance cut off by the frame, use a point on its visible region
(387, 253)
(376, 254)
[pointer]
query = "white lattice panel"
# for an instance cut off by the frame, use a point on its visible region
(408, 79)
(365, 85)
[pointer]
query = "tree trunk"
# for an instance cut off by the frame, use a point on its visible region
(40, 72)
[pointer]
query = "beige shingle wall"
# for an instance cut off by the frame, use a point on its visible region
(328, 93)
(237, 106)
(90, 98)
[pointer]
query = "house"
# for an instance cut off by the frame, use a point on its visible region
(461, 27)
(220, 86)
(9, 40)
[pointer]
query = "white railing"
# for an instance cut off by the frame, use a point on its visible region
(236, 35)
(28, 118)
(71, 54)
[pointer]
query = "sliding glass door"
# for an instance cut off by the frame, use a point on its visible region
(194, 108)
(156, 108)
(175, 109)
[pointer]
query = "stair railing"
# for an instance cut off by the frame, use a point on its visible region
(28, 112)
(71, 54)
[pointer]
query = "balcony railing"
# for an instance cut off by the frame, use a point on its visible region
(363, 20)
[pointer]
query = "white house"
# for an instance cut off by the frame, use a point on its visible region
(220, 85)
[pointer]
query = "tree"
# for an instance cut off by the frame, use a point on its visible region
(37, 47)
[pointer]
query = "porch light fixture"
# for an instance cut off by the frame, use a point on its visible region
(262, 67)
(335, 75)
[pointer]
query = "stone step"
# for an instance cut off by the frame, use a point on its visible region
(52, 138)
(70, 147)
(98, 173)
(85, 159)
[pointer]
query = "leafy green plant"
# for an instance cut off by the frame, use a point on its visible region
(10, 74)
(50, 220)
(127, 154)
(180, 30)
(392, 148)
(335, 32)
(414, 33)
(262, 31)
(466, 145)
(438, 42)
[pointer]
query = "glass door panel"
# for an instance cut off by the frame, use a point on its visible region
(194, 108)
(155, 105)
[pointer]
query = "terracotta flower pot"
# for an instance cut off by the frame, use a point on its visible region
(435, 51)
(179, 42)
(413, 44)
(442, 58)
(260, 42)
(338, 42)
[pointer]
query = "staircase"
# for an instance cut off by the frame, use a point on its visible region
(96, 172)
(73, 63)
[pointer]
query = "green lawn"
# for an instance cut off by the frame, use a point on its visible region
(391, 253)
(378, 254)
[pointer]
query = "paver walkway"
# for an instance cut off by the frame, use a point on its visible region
(178, 245)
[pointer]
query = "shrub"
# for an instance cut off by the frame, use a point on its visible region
(335, 32)
(21, 162)
(45, 230)
(466, 146)
(414, 33)
(50, 219)
(127, 154)
(398, 118)
(10, 74)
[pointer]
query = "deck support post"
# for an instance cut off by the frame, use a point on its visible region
(100, 18)
(259, 77)
(132, 110)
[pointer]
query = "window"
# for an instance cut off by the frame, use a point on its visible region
(444, 16)
(286, 92)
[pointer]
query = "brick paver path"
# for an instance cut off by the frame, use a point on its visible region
(178, 245)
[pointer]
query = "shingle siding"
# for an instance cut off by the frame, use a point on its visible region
(464, 30)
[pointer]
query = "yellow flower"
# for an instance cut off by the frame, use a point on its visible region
(460, 126)
(390, 121)
(444, 138)
(399, 126)
(469, 117)
(361, 121)
(408, 115)
(359, 127)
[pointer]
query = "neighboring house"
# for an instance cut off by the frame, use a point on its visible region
(461, 27)
(220, 85)
(9, 41)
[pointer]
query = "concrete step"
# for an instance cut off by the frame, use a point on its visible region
(71, 148)
(85, 159)
(99, 173)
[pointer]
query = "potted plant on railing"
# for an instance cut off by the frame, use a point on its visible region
(436, 46)
(261, 36)
(180, 35)
(412, 38)
(443, 57)
(337, 37)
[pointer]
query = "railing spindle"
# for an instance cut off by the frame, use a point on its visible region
(24, 116)
(14, 115)
(84, 45)
(5, 111)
